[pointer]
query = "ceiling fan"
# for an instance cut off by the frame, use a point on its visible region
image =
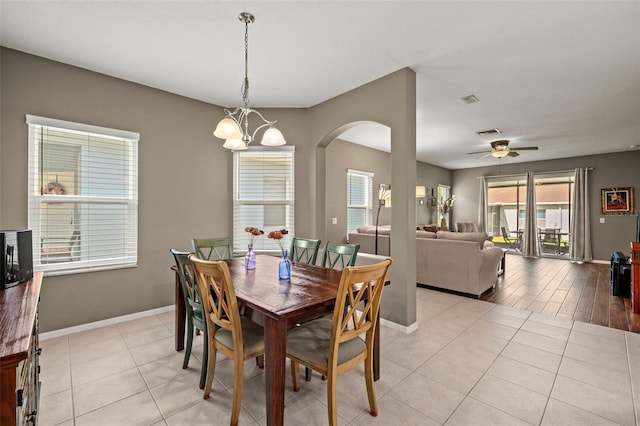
(501, 149)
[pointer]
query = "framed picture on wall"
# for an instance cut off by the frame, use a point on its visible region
(617, 200)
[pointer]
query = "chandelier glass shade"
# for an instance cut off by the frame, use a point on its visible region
(234, 127)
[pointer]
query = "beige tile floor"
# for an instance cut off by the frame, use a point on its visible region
(469, 363)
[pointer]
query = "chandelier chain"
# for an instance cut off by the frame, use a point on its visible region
(245, 85)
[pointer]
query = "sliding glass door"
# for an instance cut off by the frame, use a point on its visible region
(507, 196)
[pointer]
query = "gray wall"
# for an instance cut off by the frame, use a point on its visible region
(609, 170)
(185, 176)
(341, 156)
(430, 176)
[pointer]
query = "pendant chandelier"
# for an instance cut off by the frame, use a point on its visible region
(234, 127)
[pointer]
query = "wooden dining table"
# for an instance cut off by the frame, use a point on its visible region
(278, 305)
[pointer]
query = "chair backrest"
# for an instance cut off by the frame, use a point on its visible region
(188, 281)
(218, 297)
(505, 234)
(357, 304)
(339, 256)
(466, 227)
(212, 248)
(550, 235)
(304, 250)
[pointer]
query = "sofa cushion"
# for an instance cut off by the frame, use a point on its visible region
(466, 227)
(479, 237)
(425, 234)
(382, 229)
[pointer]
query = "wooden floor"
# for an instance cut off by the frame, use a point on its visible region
(563, 289)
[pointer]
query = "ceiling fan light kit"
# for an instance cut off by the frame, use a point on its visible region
(500, 149)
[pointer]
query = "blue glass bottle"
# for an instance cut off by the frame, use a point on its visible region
(285, 266)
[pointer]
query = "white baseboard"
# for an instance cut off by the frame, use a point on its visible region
(406, 329)
(111, 321)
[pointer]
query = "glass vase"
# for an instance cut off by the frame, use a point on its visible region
(250, 258)
(285, 266)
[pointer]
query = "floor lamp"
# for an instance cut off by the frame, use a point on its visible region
(384, 200)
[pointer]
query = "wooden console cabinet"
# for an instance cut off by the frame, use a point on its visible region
(19, 352)
(635, 277)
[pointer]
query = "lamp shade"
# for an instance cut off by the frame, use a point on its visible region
(421, 192)
(227, 129)
(272, 137)
(235, 144)
(500, 153)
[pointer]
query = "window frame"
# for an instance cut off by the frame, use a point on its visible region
(368, 205)
(37, 199)
(241, 238)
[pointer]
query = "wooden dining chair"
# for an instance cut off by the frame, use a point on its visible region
(193, 308)
(304, 250)
(212, 248)
(332, 345)
(339, 256)
(238, 338)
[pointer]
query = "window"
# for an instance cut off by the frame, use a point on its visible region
(83, 196)
(263, 195)
(359, 199)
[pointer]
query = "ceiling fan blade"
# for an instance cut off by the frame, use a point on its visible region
(527, 148)
(479, 152)
(484, 155)
(513, 154)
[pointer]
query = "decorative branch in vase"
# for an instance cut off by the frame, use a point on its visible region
(444, 207)
(250, 258)
(284, 270)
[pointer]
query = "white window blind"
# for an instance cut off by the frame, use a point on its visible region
(263, 196)
(83, 196)
(359, 199)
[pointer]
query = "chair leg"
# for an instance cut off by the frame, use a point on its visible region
(205, 360)
(307, 374)
(331, 399)
(211, 368)
(188, 343)
(238, 379)
(295, 375)
(371, 391)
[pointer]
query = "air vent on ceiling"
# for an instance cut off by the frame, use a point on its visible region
(489, 132)
(470, 99)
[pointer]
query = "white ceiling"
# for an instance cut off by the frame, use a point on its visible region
(563, 76)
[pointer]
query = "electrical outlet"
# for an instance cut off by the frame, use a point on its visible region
(602, 220)
(334, 220)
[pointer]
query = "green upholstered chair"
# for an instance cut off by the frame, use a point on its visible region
(304, 250)
(193, 307)
(511, 242)
(339, 256)
(212, 248)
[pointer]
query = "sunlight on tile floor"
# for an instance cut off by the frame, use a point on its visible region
(469, 363)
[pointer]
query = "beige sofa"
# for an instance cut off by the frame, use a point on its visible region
(465, 263)
(366, 237)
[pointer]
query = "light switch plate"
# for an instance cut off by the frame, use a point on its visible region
(334, 220)
(602, 220)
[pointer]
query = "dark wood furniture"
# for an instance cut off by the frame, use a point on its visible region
(19, 367)
(635, 277)
(277, 306)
